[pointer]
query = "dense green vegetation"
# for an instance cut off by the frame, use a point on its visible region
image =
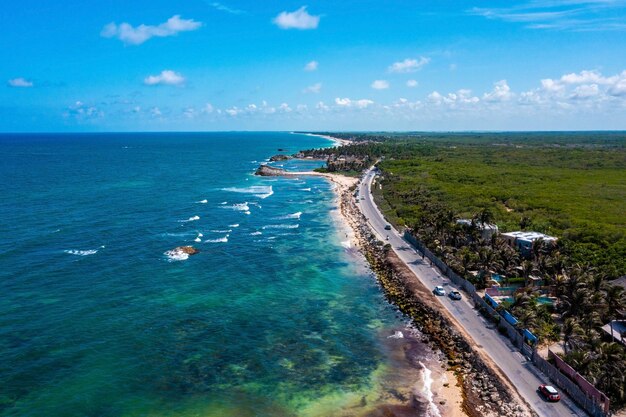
(568, 185)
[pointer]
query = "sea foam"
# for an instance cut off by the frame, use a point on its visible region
(260, 191)
(219, 240)
(291, 216)
(239, 207)
(81, 252)
(281, 226)
(176, 255)
(191, 219)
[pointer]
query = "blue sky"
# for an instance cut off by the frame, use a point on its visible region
(317, 65)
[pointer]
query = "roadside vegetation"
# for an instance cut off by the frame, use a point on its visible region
(568, 185)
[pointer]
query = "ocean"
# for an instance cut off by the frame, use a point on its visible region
(276, 316)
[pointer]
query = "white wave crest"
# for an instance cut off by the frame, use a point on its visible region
(234, 225)
(238, 207)
(203, 201)
(397, 335)
(346, 244)
(191, 219)
(176, 255)
(291, 216)
(260, 191)
(427, 379)
(281, 226)
(306, 189)
(81, 252)
(223, 202)
(221, 231)
(219, 240)
(256, 233)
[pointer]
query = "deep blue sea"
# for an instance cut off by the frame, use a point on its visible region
(274, 317)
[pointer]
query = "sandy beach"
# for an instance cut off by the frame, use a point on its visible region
(336, 141)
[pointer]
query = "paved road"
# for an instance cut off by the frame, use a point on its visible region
(523, 375)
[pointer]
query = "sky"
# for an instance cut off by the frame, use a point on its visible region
(204, 65)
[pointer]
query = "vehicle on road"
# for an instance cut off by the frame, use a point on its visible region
(454, 295)
(439, 290)
(388, 227)
(549, 392)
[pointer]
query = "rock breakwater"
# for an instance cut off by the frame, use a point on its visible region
(485, 391)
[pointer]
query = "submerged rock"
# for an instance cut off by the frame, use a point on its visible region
(268, 171)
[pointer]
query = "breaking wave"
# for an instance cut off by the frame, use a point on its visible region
(176, 255)
(218, 240)
(191, 219)
(291, 216)
(260, 191)
(281, 226)
(81, 252)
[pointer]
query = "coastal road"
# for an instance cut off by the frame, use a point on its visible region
(522, 373)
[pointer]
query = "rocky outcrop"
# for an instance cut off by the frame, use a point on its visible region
(268, 171)
(280, 157)
(189, 250)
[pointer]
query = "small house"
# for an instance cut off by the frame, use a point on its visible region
(524, 241)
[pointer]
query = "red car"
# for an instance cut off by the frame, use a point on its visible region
(549, 392)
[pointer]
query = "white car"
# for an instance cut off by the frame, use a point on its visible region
(439, 290)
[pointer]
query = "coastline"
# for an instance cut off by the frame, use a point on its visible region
(337, 141)
(446, 394)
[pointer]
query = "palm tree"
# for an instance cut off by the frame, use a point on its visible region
(572, 334)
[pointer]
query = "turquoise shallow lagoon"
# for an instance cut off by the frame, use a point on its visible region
(273, 318)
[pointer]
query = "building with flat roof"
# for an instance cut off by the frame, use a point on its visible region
(524, 240)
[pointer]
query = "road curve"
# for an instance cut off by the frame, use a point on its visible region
(522, 373)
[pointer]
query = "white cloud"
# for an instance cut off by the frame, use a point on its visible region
(300, 19)
(311, 66)
(359, 104)
(20, 82)
(166, 77)
(408, 65)
(412, 83)
(315, 88)
(321, 106)
(501, 92)
(137, 35)
(223, 8)
(83, 112)
(460, 97)
(208, 108)
(233, 111)
(155, 112)
(284, 108)
(380, 85)
(574, 15)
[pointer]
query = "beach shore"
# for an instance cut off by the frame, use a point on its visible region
(447, 394)
(336, 141)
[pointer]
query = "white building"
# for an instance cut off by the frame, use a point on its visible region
(524, 240)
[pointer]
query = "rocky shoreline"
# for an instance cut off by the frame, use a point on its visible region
(486, 392)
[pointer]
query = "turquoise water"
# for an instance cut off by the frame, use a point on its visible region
(274, 317)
